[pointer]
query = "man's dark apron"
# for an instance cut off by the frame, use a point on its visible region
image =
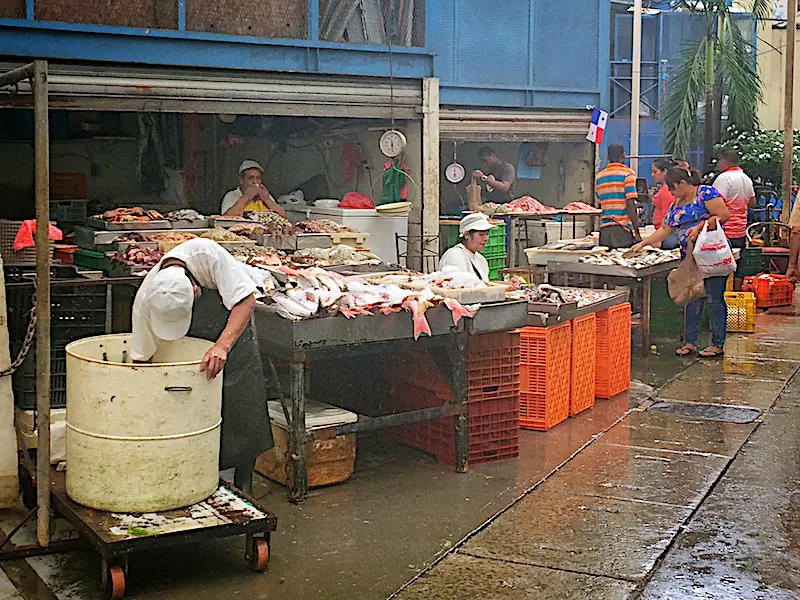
(246, 430)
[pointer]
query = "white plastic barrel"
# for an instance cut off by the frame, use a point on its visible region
(141, 437)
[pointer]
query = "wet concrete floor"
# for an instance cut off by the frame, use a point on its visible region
(595, 508)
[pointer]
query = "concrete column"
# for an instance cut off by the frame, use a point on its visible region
(430, 167)
(9, 487)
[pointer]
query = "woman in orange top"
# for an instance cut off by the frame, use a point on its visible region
(663, 199)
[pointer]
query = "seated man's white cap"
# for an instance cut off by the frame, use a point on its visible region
(475, 222)
(249, 164)
(170, 303)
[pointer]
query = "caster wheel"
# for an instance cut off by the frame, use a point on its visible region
(116, 583)
(258, 555)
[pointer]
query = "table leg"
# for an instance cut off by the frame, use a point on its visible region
(512, 250)
(459, 385)
(646, 316)
(298, 489)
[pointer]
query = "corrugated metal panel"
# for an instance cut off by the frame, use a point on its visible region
(513, 126)
(75, 87)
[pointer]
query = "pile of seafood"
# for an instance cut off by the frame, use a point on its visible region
(305, 293)
(135, 214)
(545, 293)
(579, 207)
(169, 236)
(273, 223)
(525, 204)
(218, 234)
(184, 214)
(447, 279)
(624, 258)
(247, 229)
(136, 256)
(340, 254)
(322, 226)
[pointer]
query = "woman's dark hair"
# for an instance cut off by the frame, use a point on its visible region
(676, 174)
(662, 164)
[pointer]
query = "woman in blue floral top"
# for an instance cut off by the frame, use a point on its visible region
(694, 205)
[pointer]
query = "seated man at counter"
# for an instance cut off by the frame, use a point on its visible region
(615, 190)
(198, 289)
(497, 174)
(466, 256)
(251, 193)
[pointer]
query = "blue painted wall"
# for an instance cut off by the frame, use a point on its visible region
(523, 53)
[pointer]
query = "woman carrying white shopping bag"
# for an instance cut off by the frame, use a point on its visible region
(699, 209)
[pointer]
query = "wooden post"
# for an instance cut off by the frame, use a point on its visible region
(42, 160)
(430, 168)
(788, 105)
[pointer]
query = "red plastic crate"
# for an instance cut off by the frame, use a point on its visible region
(613, 358)
(584, 353)
(492, 369)
(770, 290)
(67, 186)
(545, 355)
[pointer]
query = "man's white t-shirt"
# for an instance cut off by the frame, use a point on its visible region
(213, 268)
(737, 189)
(231, 198)
(465, 261)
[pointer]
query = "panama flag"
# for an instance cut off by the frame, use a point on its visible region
(598, 126)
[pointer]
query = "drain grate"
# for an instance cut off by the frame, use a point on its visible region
(709, 412)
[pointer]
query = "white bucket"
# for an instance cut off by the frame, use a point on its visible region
(141, 437)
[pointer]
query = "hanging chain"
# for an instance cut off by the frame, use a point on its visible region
(27, 343)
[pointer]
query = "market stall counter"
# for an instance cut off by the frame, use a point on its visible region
(325, 338)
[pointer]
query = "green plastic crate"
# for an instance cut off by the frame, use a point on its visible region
(91, 259)
(752, 261)
(495, 264)
(494, 247)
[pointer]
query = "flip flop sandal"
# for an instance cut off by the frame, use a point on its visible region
(712, 354)
(685, 351)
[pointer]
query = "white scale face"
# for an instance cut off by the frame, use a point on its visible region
(393, 143)
(454, 173)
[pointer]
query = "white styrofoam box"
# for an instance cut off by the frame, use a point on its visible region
(382, 229)
(318, 415)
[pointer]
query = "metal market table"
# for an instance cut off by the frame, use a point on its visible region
(517, 221)
(624, 276)
(334, 337)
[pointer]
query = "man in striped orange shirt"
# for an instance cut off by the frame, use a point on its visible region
(615, 192)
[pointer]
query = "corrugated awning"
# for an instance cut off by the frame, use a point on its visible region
(501, 125)
(143, 89)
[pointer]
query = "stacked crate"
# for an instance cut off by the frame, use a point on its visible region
(584, 361)
(613, 365)
(416, 383)
(494, 251)
(545, 376)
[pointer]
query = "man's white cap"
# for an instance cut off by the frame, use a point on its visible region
(170, 303)
(475, 222)
(249, 164)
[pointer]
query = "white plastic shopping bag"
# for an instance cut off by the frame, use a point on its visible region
(713, 254)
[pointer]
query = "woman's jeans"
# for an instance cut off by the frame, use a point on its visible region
(717, 313)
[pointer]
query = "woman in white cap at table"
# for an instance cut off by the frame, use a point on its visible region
(251, 193)
(466, 256)
(200, 290)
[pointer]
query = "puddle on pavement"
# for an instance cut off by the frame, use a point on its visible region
(709, 412)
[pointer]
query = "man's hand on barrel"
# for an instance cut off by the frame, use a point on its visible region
(214, 361)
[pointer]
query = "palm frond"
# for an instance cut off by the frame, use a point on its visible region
(761, 9)
(739, 79)
(686, 87)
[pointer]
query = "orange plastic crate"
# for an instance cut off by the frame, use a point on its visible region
(584, 353)
(613, 358)
(770, 290)
(545, 374)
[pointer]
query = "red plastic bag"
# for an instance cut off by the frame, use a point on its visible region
(356, 200)
(24, 237)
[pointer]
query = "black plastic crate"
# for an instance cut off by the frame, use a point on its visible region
(23, 381)
(75, 311)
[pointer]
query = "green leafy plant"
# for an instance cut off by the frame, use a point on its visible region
(762, 153)
(715, 68)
